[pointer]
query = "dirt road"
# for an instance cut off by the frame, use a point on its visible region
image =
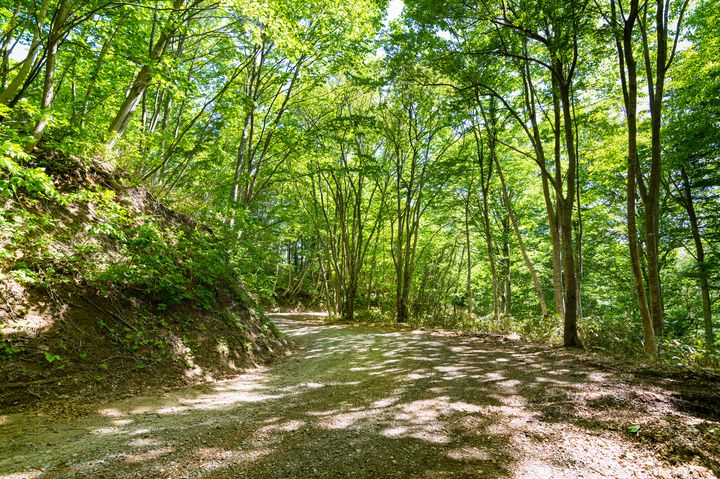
(366, 403)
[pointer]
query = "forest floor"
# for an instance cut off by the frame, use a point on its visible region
(364, 402)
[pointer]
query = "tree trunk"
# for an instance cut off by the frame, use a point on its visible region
(491, 256)
(142, 80)
(570, 334)
(48, 96)
(521, 244)
(556, 251)
(485, 179)
(401, 311)
(468, 246)
(578, 227)
(558, 221)
(628, 77)
(652, 201)
(506, 283)
(27, 64)
(5, 45)
(348, 306)
(702, 267)
(326, 287)
(551, 210)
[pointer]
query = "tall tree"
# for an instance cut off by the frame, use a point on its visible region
(418, 138)
(625, 20)
(181, 12)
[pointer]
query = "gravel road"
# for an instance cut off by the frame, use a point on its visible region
(356, 402)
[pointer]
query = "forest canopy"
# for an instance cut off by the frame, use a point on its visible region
(543, 167)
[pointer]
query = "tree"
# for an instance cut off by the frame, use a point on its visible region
(691, 149)
(418, 138)
(648, 187)
(345, 197)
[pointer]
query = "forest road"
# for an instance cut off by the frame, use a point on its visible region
(356, 402)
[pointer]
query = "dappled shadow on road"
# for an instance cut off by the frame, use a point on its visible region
(361, 403)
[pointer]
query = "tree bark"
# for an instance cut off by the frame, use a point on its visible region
(468, 246)
(570, 334)
(506, 280)
(27, 64)
(628, 77)
(485, 180)
(142, 79)
(48, 95)
(5, 45)
(550, 209)
(689, 205)
(521, 244)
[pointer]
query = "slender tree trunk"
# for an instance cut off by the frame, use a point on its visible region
(537, 141)
(570, 334)
(48, 96)
(371, 273)
(485, 179)
(491, 256)
(521, 243)
(27, 64)
(689, 205)
(653, 258)
(468, 246)
(628, 77)
(142, 79)
(578, 229)
(5, 47)
(95, 76)
(656, 90)
(556, 251)
(506, 280)
(348, 313)
(558, 220)
(326, 287)
(402, 311)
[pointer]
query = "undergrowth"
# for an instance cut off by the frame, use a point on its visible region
(146, 285)
(95, 238)
(616, 338)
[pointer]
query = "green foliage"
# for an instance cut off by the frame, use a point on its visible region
(120, 251)
(51, 358)
(610, 335)
(17, 178)
(25, 275)
(168, 265)
(323, 160)
(7, 350)
(689, 351)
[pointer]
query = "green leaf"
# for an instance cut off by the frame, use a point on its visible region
(50, 357)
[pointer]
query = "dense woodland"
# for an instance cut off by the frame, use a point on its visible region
(549, 168)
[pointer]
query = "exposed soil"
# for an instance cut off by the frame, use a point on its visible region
(64, 336)
(99, 350)
(380, 403)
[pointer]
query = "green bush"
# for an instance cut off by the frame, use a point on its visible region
(108, 246)
(166, 263)
(16, 176)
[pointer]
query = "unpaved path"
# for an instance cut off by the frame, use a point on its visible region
(367, 403)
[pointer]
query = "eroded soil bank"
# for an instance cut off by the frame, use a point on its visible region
(367, 403)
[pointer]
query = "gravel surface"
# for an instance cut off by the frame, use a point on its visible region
(358, 402)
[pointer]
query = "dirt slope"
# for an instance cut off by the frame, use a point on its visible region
(368, 403)
(107, 293)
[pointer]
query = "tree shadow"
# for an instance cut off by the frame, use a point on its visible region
(355, 402)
